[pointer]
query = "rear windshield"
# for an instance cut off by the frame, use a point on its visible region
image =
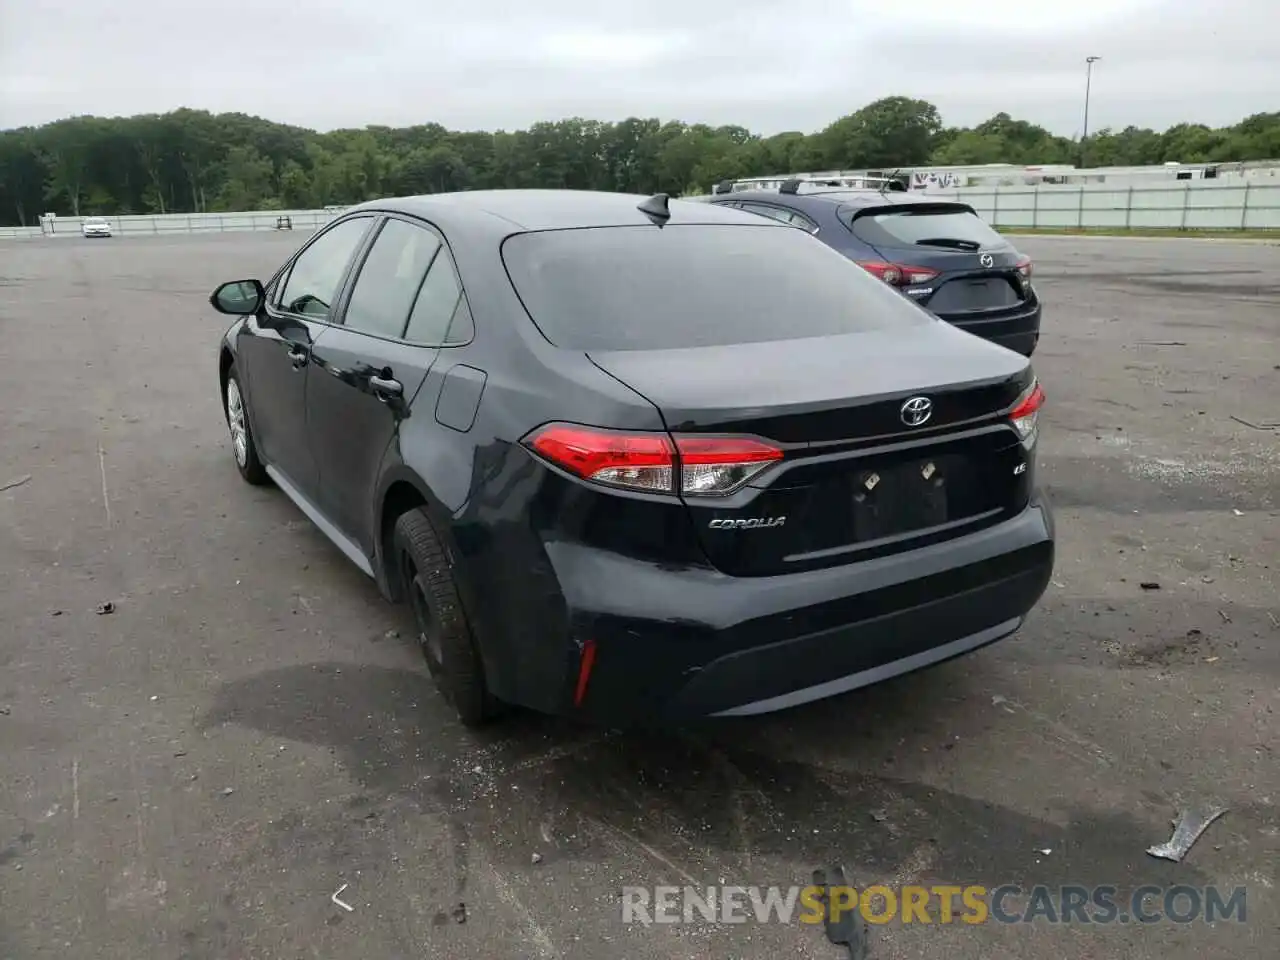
(642, 288)
(907, 226)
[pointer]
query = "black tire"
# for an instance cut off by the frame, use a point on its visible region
(441, 624)
(247, 462)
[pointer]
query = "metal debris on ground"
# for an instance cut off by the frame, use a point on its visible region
(1224, 616)
(104, 608)
(1187, 829)
(334, 898)
(460, 913)
(1149, 585)
(1255, 426)
(16, 483)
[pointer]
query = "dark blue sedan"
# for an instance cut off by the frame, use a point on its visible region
(939, 253)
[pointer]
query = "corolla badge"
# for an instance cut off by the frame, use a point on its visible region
(916, 411)
(755, 523)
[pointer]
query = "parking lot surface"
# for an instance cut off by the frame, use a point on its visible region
(195, 773)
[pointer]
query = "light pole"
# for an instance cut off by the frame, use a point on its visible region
(1088, 84)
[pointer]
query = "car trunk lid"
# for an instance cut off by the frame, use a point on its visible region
(859, 477)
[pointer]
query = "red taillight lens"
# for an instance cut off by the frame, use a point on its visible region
(1024, 268)
(650, 462)
(1026, 412)
(638, 461)
(714, 466)
(898, 274)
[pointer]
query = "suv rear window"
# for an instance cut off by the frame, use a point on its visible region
(907, 226)
(644, 288)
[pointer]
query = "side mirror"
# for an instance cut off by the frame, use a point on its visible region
(239, 298)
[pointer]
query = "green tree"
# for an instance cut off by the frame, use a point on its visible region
(193, 160)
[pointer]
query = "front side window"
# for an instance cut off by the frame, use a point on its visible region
(389, 279)
(317, 274)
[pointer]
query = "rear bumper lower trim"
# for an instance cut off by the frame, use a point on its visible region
(884, 671)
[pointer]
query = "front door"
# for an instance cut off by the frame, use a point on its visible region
(275, 348)
(395, 318)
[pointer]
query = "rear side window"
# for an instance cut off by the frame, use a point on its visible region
(440, 315)
(909, 227)
(641, 288)
(781, 215)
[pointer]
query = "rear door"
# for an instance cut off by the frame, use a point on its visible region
(964, 270)
(275, 350)
(397, 315)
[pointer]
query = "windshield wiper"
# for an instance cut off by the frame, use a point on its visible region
(953, 242)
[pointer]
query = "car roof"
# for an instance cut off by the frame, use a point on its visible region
(510, 211)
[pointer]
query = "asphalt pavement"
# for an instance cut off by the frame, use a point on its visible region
(197, 772)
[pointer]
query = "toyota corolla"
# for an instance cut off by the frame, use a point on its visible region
(638, 459)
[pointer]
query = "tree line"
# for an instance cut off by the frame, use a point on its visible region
(194, 161)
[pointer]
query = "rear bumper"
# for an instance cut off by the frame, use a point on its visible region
(679, 644)
(1019, 332)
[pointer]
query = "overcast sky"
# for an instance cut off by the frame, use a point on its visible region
(508, 63)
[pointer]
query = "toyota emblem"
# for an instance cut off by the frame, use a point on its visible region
(987, 260)
(916, 411)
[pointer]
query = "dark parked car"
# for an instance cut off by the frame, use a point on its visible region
(639, 461)
(939, 253)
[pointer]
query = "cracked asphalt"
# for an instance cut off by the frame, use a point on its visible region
(195, 773)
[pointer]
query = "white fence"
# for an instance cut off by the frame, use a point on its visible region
(1179, 205)
(1176, 205)
(160, 224)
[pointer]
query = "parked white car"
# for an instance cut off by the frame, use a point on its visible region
(95, 227)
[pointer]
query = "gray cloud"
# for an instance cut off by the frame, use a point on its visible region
(330, 63)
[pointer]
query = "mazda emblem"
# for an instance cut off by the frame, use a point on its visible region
(987, 260)
(916, 411)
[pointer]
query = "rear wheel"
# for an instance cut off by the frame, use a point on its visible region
(441, 623)
(242, 445)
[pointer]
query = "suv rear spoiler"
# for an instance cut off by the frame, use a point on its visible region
(927, 206)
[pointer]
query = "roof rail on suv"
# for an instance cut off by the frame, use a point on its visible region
(808, 184)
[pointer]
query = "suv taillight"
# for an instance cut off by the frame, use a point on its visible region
(1026, 412)
(898, 274)
(654, 462)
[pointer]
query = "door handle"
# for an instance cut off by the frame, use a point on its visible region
(298, 356)
(385, 388)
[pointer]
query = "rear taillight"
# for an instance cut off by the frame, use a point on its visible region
(653, 462)
(1024, 267)
(714, 466)
(1026, 411)
(898, 274)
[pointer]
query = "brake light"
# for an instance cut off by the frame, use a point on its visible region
(714, 466)
(898, 274)
(1026, 412)
(652, 462)
(1024, 267)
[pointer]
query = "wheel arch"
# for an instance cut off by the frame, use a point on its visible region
(403, 490)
